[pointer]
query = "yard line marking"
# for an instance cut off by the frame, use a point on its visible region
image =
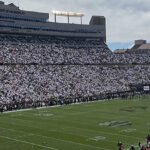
(32, 134)
(87, 130)
(90, 131)
(66, 141)
(47, 130)
(25, 142)
(102, 132)
(80, 129)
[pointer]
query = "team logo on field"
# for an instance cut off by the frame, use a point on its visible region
(133, 109)
(43, 115)
(128, 130)
(115, 123)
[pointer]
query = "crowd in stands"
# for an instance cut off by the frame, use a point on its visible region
(37, 69)
(53, 81)
(29, 50)
(129, 58)
(50, 51)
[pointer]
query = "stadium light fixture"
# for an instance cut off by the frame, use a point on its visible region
(68, 14)
(65, 13)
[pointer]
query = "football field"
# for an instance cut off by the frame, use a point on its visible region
(87, 126)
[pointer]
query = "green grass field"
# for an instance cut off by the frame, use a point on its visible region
(89, 126)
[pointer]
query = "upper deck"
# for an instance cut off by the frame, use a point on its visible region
(17, 21)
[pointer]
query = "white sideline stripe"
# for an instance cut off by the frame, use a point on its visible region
(7, 112)
(66, 141)
(76, 143)
(25, 142)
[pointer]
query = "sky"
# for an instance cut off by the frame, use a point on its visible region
(126, 20)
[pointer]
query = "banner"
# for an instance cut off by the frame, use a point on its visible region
(146, 88)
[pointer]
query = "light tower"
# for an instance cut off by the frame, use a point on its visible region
(68, 14)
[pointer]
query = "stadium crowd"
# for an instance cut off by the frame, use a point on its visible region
(38, 70)
(42, 82)
(15, 50)
(29, 50)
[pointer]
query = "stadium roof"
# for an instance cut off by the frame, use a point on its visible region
(145, 46)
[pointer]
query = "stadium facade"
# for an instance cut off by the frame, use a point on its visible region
(15, 20)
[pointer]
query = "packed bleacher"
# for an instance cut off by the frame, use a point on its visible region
(41, 69)
(29, 50)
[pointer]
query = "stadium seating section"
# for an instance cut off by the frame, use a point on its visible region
(37, 68)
